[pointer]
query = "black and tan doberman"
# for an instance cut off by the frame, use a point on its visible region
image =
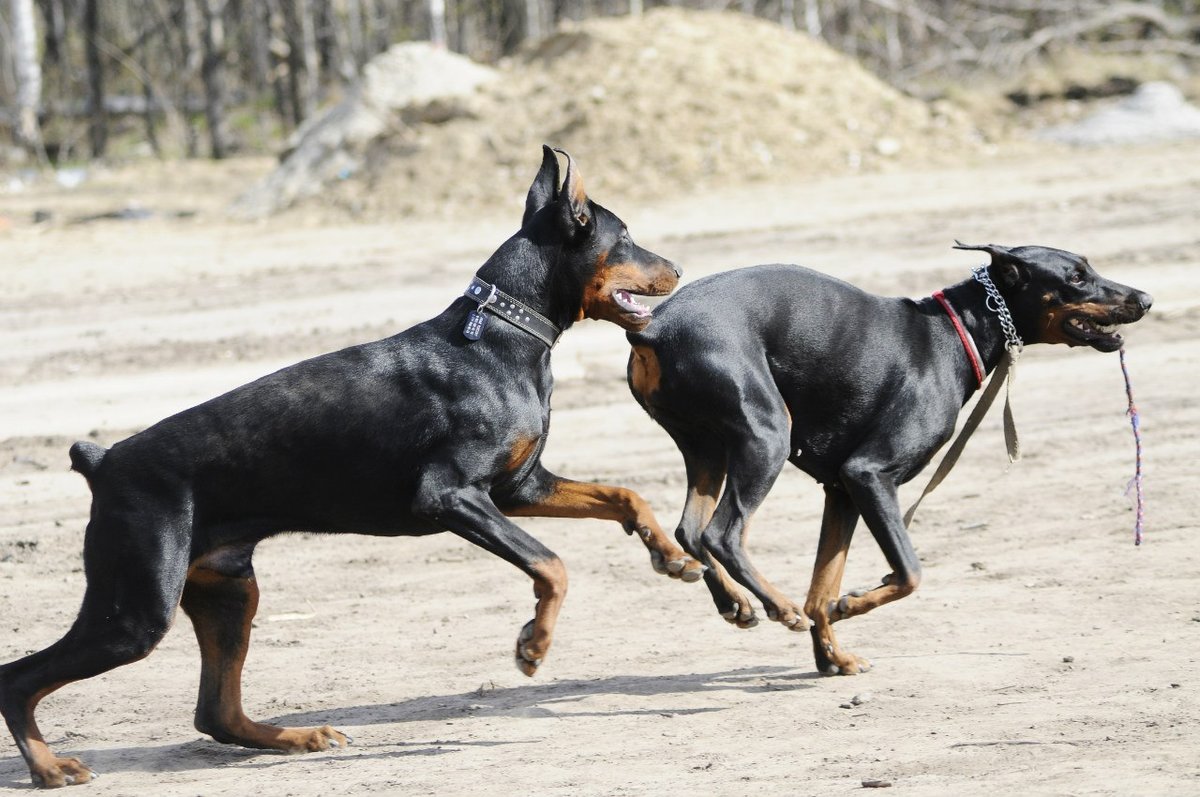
(439, 428)
(754, 368)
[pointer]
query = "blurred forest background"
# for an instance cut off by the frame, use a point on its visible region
(209, 78)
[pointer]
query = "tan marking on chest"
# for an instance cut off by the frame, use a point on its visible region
(521, 450)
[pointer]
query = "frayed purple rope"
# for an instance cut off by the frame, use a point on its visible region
(1136, 482)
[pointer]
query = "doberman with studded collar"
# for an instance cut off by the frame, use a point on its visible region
(439, 428)
(753, 368)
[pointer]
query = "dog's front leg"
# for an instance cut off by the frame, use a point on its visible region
(837, 529)
(547, 495)
(874, 494)
(470, 513)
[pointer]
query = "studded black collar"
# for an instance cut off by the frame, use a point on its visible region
(499, 303)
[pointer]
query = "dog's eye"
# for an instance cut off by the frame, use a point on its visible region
(1076, 278)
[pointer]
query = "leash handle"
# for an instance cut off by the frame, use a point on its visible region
(1011, 442)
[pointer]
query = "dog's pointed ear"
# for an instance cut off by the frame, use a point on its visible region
(1009, 267)
(544, 188)
(573, 197)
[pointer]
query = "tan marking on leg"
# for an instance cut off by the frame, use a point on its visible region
(550, 589)
(698, 511)
(893, 590)
(45, 768)
(778, 606)
(208, 597)
(572, 499)
(822, 593)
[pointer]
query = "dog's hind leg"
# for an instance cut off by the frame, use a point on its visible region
(545, 495)
(705, 467)
(754, 464)
(221, 597)
(837, 528)
(135, 562)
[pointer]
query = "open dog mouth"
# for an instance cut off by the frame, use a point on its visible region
(1092, 333)
(626, 301)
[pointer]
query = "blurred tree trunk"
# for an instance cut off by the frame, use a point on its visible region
(533, 19)
(302, 58)
(190, 60)
(518, 21)
(28, 76)
(812, 17)
(56, 30)
(256, 27)
(437, 22)
(98, 128)
(354, 30)
(330, 45)
(212, 72)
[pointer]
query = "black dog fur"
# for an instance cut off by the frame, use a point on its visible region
(415, 434)
(750, 369)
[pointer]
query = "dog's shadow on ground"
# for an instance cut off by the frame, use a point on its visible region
(562, 699)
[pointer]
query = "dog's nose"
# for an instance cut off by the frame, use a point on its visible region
(676, 268)
(1143, 300)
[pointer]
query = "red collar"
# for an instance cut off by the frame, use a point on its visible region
(967, 342)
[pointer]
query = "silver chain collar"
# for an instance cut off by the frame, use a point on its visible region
(995, 303)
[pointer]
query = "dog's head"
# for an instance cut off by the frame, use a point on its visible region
(1057, 297)
(598, 262)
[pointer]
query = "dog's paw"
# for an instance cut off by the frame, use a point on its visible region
(741, 614)
(325, 738)
(677, 565)
(846, 606)
(61, 772)
(832, 660)
(526, 659)
(687, 569)
(791, 617)
(852, 665)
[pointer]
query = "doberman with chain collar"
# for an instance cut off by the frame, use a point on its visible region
(753, 368)
(439, 428)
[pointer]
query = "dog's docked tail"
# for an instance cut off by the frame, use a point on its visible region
(86, 458)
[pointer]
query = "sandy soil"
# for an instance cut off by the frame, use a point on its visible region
(1044, 654)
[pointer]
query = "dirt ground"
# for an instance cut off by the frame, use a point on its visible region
(1043, 654)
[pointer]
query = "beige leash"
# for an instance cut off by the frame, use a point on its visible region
(1003, 375)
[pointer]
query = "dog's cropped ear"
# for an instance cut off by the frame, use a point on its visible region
(1010, 268)
(544, 189)
(573, 197)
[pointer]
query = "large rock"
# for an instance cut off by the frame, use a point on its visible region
(410, 84)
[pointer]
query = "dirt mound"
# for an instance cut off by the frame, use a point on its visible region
(667, 104)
